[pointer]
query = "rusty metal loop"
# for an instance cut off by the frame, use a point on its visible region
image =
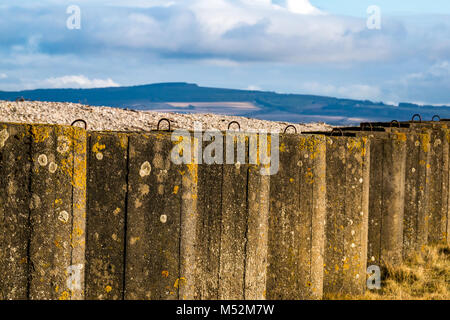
(290, 126)
(80, 120)
(415, 116)
(367, 124)
(436, 116)
(234, 122)
(337, 130)
(163, 119)
(392, 123)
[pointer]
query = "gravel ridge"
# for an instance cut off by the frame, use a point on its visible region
(117, 119)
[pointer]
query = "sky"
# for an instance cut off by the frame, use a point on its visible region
(319, 47)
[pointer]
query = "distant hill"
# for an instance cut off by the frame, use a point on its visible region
(185, 97)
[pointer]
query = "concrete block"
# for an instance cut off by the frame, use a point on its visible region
(297, 219)
(438, 205)
(154, 210)
(257, 234)
(417, 171)
(51, 243)
(348, 171)
(15, 195)
(234, 227)
(106, 207)
(79, 197)
(417, 184)
(386, 198)
(208, 231)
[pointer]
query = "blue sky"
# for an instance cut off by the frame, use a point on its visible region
(294, 46)
(390, 7)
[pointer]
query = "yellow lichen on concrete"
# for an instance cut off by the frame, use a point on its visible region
(97, 147)
(40, 133)
(312, 144)
(401, 136)
(425, 142)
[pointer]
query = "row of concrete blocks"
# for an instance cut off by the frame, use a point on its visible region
(108, 215)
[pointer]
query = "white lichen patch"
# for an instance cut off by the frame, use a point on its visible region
(158, 161)
(52, 167)
(145, 170)
(63, 216)
(42, 160)
(437, 142)
(4, 135)
(63, 144)
(144, 189)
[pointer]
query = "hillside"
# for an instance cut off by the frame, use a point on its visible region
(191, 98)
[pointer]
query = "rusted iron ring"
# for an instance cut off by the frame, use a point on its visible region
(163, 119)
(234, 122)
(394, 122)
(290, 126)
(415, 116)
(337, 130)
(80, 120)
(436, 116)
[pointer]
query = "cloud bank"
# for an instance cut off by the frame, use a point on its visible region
(286, 45)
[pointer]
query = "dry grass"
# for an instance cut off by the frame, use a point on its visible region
(424, 276)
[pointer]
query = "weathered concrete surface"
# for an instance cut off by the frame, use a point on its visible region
(234, 225)
(51, 213)
(417, 171)
(79, 194)
(296, 219)
(42, 217)
(15, 164)
(208, 230)
(189, 221)
(438, 205)
(224, 231)
(106, 207)
(157, 230)
(417, 184)
(153, 219)
(386, 198)
(257, 234)
(348, 170)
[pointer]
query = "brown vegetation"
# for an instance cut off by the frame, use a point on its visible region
(424, 276)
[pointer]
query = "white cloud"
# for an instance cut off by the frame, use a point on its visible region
(253, 88)
(353, 91)
(302, 7)
(3, 76)
(436, 71)
(79, 81)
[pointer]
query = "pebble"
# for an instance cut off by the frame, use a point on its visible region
(117, 119)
